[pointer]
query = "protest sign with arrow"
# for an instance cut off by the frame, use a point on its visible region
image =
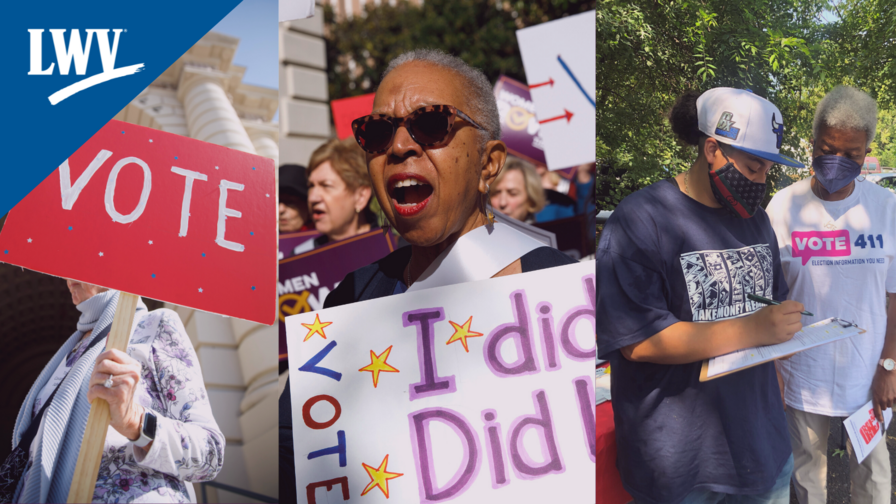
(558, 57)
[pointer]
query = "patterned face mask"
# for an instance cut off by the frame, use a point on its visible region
(734, 191)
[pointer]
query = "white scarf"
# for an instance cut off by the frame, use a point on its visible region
(91, 310)
(477, 255)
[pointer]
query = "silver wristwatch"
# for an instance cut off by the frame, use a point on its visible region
(148, 432)
(888, 364)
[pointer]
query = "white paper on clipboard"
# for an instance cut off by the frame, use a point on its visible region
(864, 430)
(819, 333)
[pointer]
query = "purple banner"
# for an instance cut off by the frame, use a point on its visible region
(305, 280)
(289, 241)
(519, 127)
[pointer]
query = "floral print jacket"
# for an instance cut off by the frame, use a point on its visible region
(188, 445)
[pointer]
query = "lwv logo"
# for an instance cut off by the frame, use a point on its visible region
(79, 54)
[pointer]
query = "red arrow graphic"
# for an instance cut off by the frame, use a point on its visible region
(549, 81)
(567, 115)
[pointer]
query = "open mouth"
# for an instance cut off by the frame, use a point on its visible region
(410, 193)
(317, 214)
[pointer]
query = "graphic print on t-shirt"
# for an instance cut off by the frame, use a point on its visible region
(809, 245)
(719, 280)
(806, 244)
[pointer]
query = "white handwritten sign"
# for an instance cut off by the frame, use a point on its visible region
(477, 392)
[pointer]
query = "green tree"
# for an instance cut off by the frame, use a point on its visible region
(884, 145)
(650, 52)
(789, 51)
(482, 33)
(863, 43)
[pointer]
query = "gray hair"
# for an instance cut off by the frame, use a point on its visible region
(847, 108)
(477, 91)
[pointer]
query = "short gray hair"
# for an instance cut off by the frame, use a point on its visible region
(847, 108)
(478, 90)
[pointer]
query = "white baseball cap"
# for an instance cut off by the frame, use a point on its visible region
(739, 118)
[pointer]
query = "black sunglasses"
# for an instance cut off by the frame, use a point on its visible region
(428, 126)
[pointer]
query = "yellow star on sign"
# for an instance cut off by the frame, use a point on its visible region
(316, 327)
(379, 477)
(377, 364)
(462, 332)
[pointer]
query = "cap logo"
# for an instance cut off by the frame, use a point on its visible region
(726, 128)
(777, 129)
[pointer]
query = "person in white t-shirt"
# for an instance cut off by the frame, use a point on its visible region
(837, 238)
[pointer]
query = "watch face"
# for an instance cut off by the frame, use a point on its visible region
(889, 364)
(149, 424)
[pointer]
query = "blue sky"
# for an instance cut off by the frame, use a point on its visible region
(254, 22)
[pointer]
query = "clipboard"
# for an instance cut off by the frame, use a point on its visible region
(851, 328)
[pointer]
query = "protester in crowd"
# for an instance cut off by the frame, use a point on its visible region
(293, 204)
(547, 181)
(688, 250)
(585, 188)
(433, 150)
(856, 222)
(558, 203)
(162, 433)
(517, 191)
(339, 193)
(559, 206)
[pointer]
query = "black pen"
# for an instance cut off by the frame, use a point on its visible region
(760, 299)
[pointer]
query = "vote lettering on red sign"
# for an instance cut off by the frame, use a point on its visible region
(158, 215)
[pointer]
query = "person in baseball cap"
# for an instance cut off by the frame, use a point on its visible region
(293, 207)
(675, 263)
(752, 130)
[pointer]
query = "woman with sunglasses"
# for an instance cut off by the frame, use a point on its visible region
(675, 264)
(433, 150)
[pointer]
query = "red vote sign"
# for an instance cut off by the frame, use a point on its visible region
(158, 215)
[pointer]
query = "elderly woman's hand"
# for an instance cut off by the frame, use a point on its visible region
(125, 372)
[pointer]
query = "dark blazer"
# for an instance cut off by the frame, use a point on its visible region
(370, 282)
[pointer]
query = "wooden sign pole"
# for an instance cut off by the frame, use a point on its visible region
(91, 454)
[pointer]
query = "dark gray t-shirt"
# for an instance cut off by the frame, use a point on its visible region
(664, 258)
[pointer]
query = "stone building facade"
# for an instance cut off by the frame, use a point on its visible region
(202, 96)
(304, 99)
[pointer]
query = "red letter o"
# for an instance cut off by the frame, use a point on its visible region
(306, 411)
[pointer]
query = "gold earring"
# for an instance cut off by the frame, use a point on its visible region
(488, 209)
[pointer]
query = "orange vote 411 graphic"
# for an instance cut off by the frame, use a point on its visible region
(158, 215)
(475, 392)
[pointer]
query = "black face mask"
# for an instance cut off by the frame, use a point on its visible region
(734, 191)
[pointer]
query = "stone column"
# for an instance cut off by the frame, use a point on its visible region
(210, 115)
(236, 356)
(264, 137)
